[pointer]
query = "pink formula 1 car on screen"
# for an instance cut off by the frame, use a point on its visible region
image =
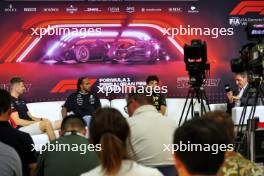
(122, 51)
(141, 51)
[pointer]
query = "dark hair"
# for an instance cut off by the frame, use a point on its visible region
(152, 78)
(141, 98)
(5, 101)
(242, 74)
(79, 82)
(72, 122)
(200, 131)
(110, 129)
(15, 80)
(224, 119)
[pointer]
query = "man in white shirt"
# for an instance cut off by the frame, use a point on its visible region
(150, 132)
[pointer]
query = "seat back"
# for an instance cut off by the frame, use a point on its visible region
(119, 104)
(50, 110)
(175, 108)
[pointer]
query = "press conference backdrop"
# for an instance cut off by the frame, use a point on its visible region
(51, 44)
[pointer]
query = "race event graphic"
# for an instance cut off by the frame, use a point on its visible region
(51, 44)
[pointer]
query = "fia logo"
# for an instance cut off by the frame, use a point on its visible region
(234, 21)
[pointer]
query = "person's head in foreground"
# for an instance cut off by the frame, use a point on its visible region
(224, 119)
(72, 123)
(136, 100)
(17, 86)
(83, 85)
(5, 105)
(234, 162)
(110, 129)
(202, 155)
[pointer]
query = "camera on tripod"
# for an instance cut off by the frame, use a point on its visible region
(195, 58)
(251, 59)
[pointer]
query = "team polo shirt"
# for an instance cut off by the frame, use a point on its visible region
(20, 106)
(82, 104)
(158, 100)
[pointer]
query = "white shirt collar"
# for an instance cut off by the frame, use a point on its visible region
(244, 87)
(241, 91)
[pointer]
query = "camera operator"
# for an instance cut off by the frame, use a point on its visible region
(239, 99)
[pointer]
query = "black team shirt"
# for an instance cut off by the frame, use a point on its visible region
(158, 100)
(82, 104)
(19, 105)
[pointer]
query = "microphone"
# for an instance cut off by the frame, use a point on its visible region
(227, 88)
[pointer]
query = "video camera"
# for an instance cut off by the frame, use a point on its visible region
(251, 59)
(195, 58)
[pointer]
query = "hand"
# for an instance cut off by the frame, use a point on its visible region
(235, 98)
(230, 96)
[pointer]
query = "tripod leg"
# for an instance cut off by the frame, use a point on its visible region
(189, 107)
(240, 136)
(192, 105)
(200, 100)
(253, 109)
(184, 107)
(206, 100)
(203, 109)
(243, 115)
(251, 126)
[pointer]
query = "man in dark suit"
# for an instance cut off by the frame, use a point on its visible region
(239, 99)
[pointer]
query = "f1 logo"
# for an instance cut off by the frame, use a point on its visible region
(245, 7)
(66, 85)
